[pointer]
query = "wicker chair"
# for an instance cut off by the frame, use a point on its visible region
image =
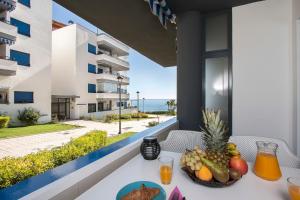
(179, 140)
(247, 147)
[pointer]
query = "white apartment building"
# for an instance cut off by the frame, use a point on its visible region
(25, 57)
(85, 71)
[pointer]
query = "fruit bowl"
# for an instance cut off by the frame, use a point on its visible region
(218, 162)
(213, 183)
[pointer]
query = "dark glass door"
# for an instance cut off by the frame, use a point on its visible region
(217, 56)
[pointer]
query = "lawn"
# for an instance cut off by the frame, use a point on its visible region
(35, 129)
(117, 138)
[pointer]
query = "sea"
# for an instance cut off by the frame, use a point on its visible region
(151, 105)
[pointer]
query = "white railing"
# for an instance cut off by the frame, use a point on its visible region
(74, 184)
(113, 43)
(116, 63)
(104, 95)
(8, 31)
(112, 77)
(7, 67)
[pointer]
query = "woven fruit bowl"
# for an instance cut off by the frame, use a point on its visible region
(212, 183)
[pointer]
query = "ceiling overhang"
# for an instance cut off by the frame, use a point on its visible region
(132, 22)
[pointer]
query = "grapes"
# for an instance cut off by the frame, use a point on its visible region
(192, 159)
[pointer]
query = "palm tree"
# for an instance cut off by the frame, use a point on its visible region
(172, 104)
(168, 103)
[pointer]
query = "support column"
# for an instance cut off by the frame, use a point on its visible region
(189, 70)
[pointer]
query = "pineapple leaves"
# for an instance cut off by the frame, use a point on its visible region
(215, 132)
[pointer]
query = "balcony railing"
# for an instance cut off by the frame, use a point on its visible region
(8, 67)
(7, 5)
(75, 177)
(103, 77)
(8, 33)
(112, 44)
(116, 63)
(112, 95)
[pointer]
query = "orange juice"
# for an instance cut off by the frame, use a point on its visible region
(165, 174)
(294, 192)
(267, 167)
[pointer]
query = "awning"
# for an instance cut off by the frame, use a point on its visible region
(4, 40)
(8, 5)
(160, 9)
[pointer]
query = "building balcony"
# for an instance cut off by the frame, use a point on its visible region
(109, 95)
(116, 63)
(107, 42)
(8, 33)
(7, 67)
(107, 77)
(7, 5)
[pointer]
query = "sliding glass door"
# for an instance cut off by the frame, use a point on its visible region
(217, 58)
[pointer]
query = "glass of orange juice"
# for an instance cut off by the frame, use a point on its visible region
(266, 164)
(294, 188)
(166, 169)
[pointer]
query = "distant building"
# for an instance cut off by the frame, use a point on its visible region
(85, 68)
(25, 57)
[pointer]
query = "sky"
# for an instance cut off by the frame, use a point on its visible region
(149, 78)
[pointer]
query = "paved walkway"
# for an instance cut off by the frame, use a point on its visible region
(24, 145)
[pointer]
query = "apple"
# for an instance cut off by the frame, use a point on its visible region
(239, 164)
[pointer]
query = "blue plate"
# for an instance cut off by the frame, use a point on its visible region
(136, 185)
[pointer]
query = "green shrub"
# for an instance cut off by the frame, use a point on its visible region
(139, 115)
(153, 123)
(110, 118)
(4, 120)
(114, 117)
(171, 112)
(14, 170)
(158, 112)
(126, 116)
(29, 116)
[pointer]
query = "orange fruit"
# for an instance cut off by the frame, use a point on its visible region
(204, 174)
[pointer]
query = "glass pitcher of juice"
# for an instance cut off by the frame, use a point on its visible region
(266, 164)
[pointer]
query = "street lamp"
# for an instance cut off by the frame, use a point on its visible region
(143, 105)
(120, 79)
(138, 100)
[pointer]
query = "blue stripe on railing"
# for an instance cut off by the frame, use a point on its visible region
(36, 182)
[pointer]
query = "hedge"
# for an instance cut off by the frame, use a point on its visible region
(153, 123)
(114, 117)
(14, 170)
(4, 120)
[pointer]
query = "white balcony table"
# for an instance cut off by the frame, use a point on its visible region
(249, 187)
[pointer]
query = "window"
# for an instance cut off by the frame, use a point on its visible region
(92, 49)
(23, 28)
(91, 88)
(92, 68)
(100, 71)
(123, 104)
(25, 2)
(91, 107)
(3, 97)
(20, 57)
(23, 97)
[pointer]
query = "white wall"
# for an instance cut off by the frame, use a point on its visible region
(296, 7)
(37, 77)
(64, 61)
(83, 38)
(263, 71)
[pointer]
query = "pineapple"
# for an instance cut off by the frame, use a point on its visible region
(215, 137)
